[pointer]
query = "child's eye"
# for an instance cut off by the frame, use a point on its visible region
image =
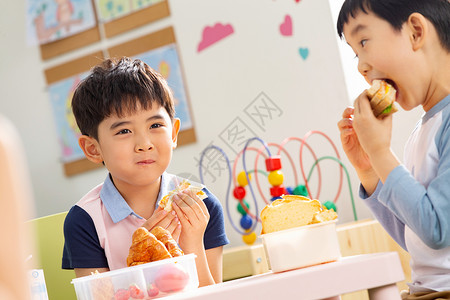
(157, 125)
(363, 43)
(124, 131)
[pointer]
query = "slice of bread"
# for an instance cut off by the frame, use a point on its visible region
(166, 201)
(382, 97)
(293, 211)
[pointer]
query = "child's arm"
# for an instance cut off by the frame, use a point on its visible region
(194, 216)
(80, 272)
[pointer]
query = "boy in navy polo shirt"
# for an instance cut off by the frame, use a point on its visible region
(125, 112)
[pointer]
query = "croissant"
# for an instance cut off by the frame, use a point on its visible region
(145, 247)
(166, 238)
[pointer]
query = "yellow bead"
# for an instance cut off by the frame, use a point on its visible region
(249, 239)
(276, 178)
(242, 179)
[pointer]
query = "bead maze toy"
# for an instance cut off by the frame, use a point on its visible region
(275, 176)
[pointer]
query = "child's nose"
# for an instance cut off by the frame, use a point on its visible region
(143, 144)
(363, 67)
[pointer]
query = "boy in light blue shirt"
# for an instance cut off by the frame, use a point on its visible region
(406, 43)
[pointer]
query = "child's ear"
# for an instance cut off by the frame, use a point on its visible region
(175, 130)
(418, 27)
(90, 148)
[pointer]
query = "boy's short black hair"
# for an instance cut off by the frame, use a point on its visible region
(396, 12)
(115, 87)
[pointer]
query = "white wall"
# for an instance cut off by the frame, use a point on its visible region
(222, 81)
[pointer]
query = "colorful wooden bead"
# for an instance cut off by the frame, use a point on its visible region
(242, 179)
(273, 163)
(275, 198)
(246, 222)
(240, 209)
(275, 178)
(239, 192)
(301, 190)
(277, 191)
(249, 239)
(289, 190)
(330, 205)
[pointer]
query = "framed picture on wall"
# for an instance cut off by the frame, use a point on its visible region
(62, 81)
(119, 16)
(52, 20)
(60, 26)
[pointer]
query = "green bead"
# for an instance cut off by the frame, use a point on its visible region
(241, 209)
(330, 205)
(300, 190)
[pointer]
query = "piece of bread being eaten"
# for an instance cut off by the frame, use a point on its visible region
(293, 211)
(382, 98)
(166, 201)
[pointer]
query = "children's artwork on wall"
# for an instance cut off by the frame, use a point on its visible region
(61, 94)
(159, 51)
(62, 81)
(113, 9)
(51, 20)
(119, 16)
(165, 61)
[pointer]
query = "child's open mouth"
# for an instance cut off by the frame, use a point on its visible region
(391, 82)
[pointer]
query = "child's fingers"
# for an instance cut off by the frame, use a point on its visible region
(181, 216)
(345, 124)
(165, 222)
(177, 232)
(173, 224)
(362, 105)
(348, 112)
(155, 219)
(199, 201)
(187, 206)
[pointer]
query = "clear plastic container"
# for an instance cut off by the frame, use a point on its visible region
(302, 246)
(147, 281)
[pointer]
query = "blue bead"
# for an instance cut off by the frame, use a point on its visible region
(289, 190)
(275, 198)
(246, 222)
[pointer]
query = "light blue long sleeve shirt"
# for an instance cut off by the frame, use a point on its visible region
(413, 205)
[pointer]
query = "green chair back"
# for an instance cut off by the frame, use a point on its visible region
(49, 240)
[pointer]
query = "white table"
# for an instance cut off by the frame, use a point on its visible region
(377, 273)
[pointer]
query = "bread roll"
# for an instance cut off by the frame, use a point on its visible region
(293, 211)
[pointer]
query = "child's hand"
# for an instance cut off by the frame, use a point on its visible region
(373, 134)
(166, 220)
(194, 217)
(350, 142)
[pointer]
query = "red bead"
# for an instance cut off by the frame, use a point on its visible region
(239, 192)
(277, 191)
(273, 163)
